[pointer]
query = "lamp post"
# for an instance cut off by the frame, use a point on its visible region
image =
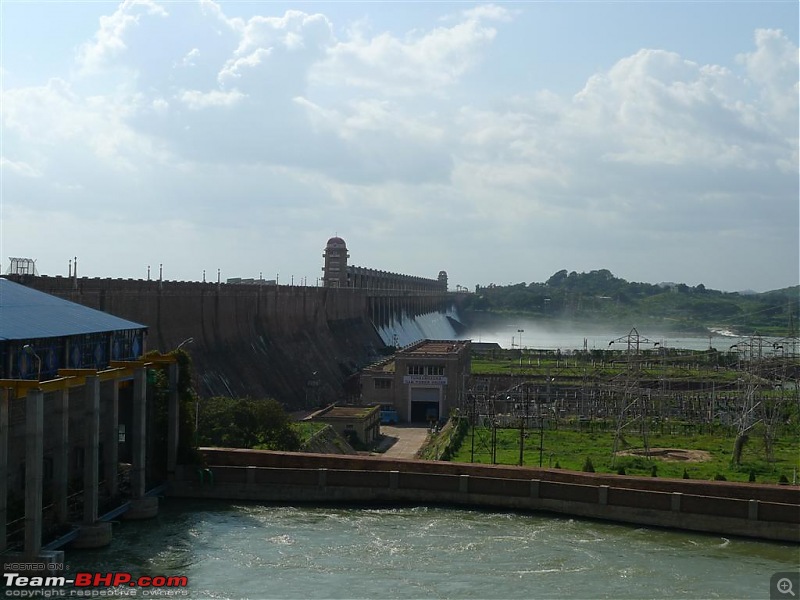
(190, 340)
(520, 332)
(29, 350)
(184, 342)
(196, 419)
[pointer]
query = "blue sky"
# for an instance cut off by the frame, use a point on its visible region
(500, 142)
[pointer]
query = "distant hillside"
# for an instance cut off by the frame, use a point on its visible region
(601, 297)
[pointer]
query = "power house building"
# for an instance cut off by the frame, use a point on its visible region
(76, 404)
(423, 382)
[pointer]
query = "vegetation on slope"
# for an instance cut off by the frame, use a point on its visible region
(600, 296)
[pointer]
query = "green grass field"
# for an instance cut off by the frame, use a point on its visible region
(569, 450)
(682, 368)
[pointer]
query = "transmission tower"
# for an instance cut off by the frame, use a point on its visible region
(749, 413)
(632, 402)
(482, 417)
(21, 266)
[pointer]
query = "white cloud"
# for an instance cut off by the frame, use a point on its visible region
(234, 68)
(59, 126)
(190, 59)
(419, 63)
(196, 100)
(294, 31)
(774, 66)
(20, 168)
(294, 129)
(109, 41)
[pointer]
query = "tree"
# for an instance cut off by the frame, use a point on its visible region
(246, 423)
(558, 278)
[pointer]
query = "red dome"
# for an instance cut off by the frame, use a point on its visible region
(336, 241)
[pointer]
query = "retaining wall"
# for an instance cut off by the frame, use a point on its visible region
(751, 510)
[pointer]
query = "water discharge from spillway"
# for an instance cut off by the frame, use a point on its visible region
(408, 329)
(240, 550)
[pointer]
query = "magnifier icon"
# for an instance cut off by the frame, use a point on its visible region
(784, 586)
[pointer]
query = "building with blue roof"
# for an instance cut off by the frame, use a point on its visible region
(40, 334)
(75, 414)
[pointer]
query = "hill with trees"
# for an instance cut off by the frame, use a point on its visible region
(599, 296)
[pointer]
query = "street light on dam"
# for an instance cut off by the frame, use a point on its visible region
(184, 342)
(29, 350)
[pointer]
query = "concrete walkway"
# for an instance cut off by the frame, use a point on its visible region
(402, 441)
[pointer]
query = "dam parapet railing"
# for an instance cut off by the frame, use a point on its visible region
(767, 512)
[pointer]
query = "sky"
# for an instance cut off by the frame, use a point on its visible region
(501, 142)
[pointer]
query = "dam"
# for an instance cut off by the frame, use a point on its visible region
(298, 344)
(304, 344)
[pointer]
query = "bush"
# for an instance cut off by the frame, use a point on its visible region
(558, 466)
(588, 467)
(752, 477)
(783, 480)
(654, 471)
(685, 474)
(621, 471)
(719, 477)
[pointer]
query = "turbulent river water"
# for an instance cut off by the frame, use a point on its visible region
(238, 550)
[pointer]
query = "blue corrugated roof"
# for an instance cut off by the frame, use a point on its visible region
(26, 313)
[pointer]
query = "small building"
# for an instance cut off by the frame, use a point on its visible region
(361, 422)
(423, 381)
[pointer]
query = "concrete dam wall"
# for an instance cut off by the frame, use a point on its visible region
(298, 344)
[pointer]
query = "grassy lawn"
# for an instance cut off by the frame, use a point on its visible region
(570, 449)
(684, 368)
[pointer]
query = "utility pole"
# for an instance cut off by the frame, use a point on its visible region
(474, 420)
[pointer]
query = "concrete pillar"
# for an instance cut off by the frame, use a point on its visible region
(5, 400)
(91, 463)
(61, 455)
(173, 421)
(34, 475)
(110, 399)
(535, 489)
(463, 483)
(138, 433)
(149, 428)
(93, 535)
(145, 507)
(602, 495)
(675, 503)
(752, 510)
(251, 474)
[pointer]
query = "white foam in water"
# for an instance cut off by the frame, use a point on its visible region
(410, 329)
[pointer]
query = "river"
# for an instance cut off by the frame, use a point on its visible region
(239, 550)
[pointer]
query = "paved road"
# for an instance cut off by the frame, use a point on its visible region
(405, 440)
